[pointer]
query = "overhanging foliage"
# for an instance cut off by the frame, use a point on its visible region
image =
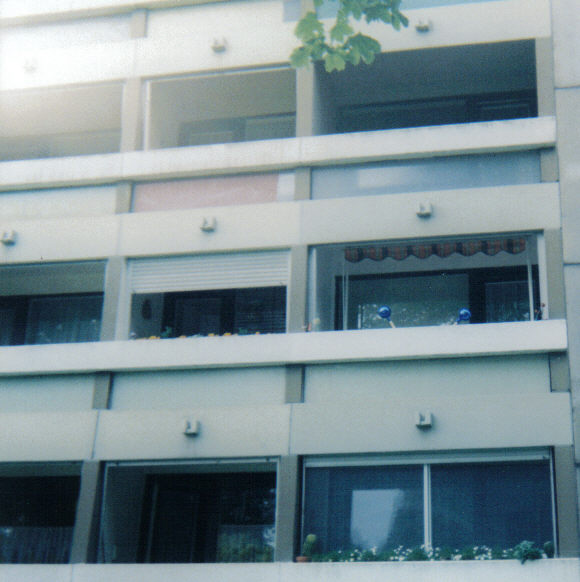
(342, 44)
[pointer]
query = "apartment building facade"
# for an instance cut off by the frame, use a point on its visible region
(242, 304)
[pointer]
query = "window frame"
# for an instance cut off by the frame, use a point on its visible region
(532, 264)
(178, 467)
(426, 461)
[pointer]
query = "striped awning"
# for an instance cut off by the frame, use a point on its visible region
(467, 248)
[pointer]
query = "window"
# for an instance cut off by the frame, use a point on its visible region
(364, 507)
(189, 514)
(37, 516)
(489, 504)
(424, 283)
(422, 175)
(50, 319)
(51, 303)
(477, 83)
(239, 293)
(442, 505)
(239, 311)
(421, 113)
(239, 106)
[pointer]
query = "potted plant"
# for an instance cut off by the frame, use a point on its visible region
(308, 548)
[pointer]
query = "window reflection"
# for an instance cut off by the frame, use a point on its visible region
(494, 504)
(364, 507)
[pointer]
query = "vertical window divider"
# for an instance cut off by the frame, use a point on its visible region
(553, 498)
(345, 276)
(427, 525)
(542, 276)
(530, 278)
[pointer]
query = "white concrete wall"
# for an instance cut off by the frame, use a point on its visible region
(452, 378)
(483, 403)
(240, 431)
(524, 208)
(364, 426)
(492, 339)
(46, 393)
(562, 570)
(270, 155)
(47, 436)
(193, 30)
(471, 422)
(35, 204)
(467, 422)
(197, 388)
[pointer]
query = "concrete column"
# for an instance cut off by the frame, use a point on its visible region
(113, 287)
(566, 495)
(546, 102)
(124, 197)
(566, 45)
(305, 102)
(86, 530)
(297, 289)
(139, 24)
(132, 116)
(555, 274)
(288, 510)
(303, 184)
(102, 390)
(294, 384)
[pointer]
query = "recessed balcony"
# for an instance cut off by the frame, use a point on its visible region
(60, 122)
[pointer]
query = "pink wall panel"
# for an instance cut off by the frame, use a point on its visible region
(201, 192)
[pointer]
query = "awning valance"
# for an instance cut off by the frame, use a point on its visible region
(443, 249)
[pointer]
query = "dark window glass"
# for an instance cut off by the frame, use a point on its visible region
(50, 319)
(364, 507)
(209, 518)
(37, 516)
(437, 111)
(435, 298)
(240, 311)
(493, 504)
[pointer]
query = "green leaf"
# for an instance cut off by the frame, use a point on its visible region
(380, 13)
(334, 62)
(309, 27)
(340, 30)
(300, 57)
(343, 44)
(353, 55)
(367, 47)
(356, 8)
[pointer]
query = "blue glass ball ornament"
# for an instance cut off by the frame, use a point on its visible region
(384, 311)
(464, 315)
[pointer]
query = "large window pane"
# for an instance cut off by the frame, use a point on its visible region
(223, 311)
(444, 173)
(209, 518)
(481, 82)
(37, 516)
(170, 515)
(492, 504)
(364, 507)
(423, 282)
(51, 303)
(66, 319)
